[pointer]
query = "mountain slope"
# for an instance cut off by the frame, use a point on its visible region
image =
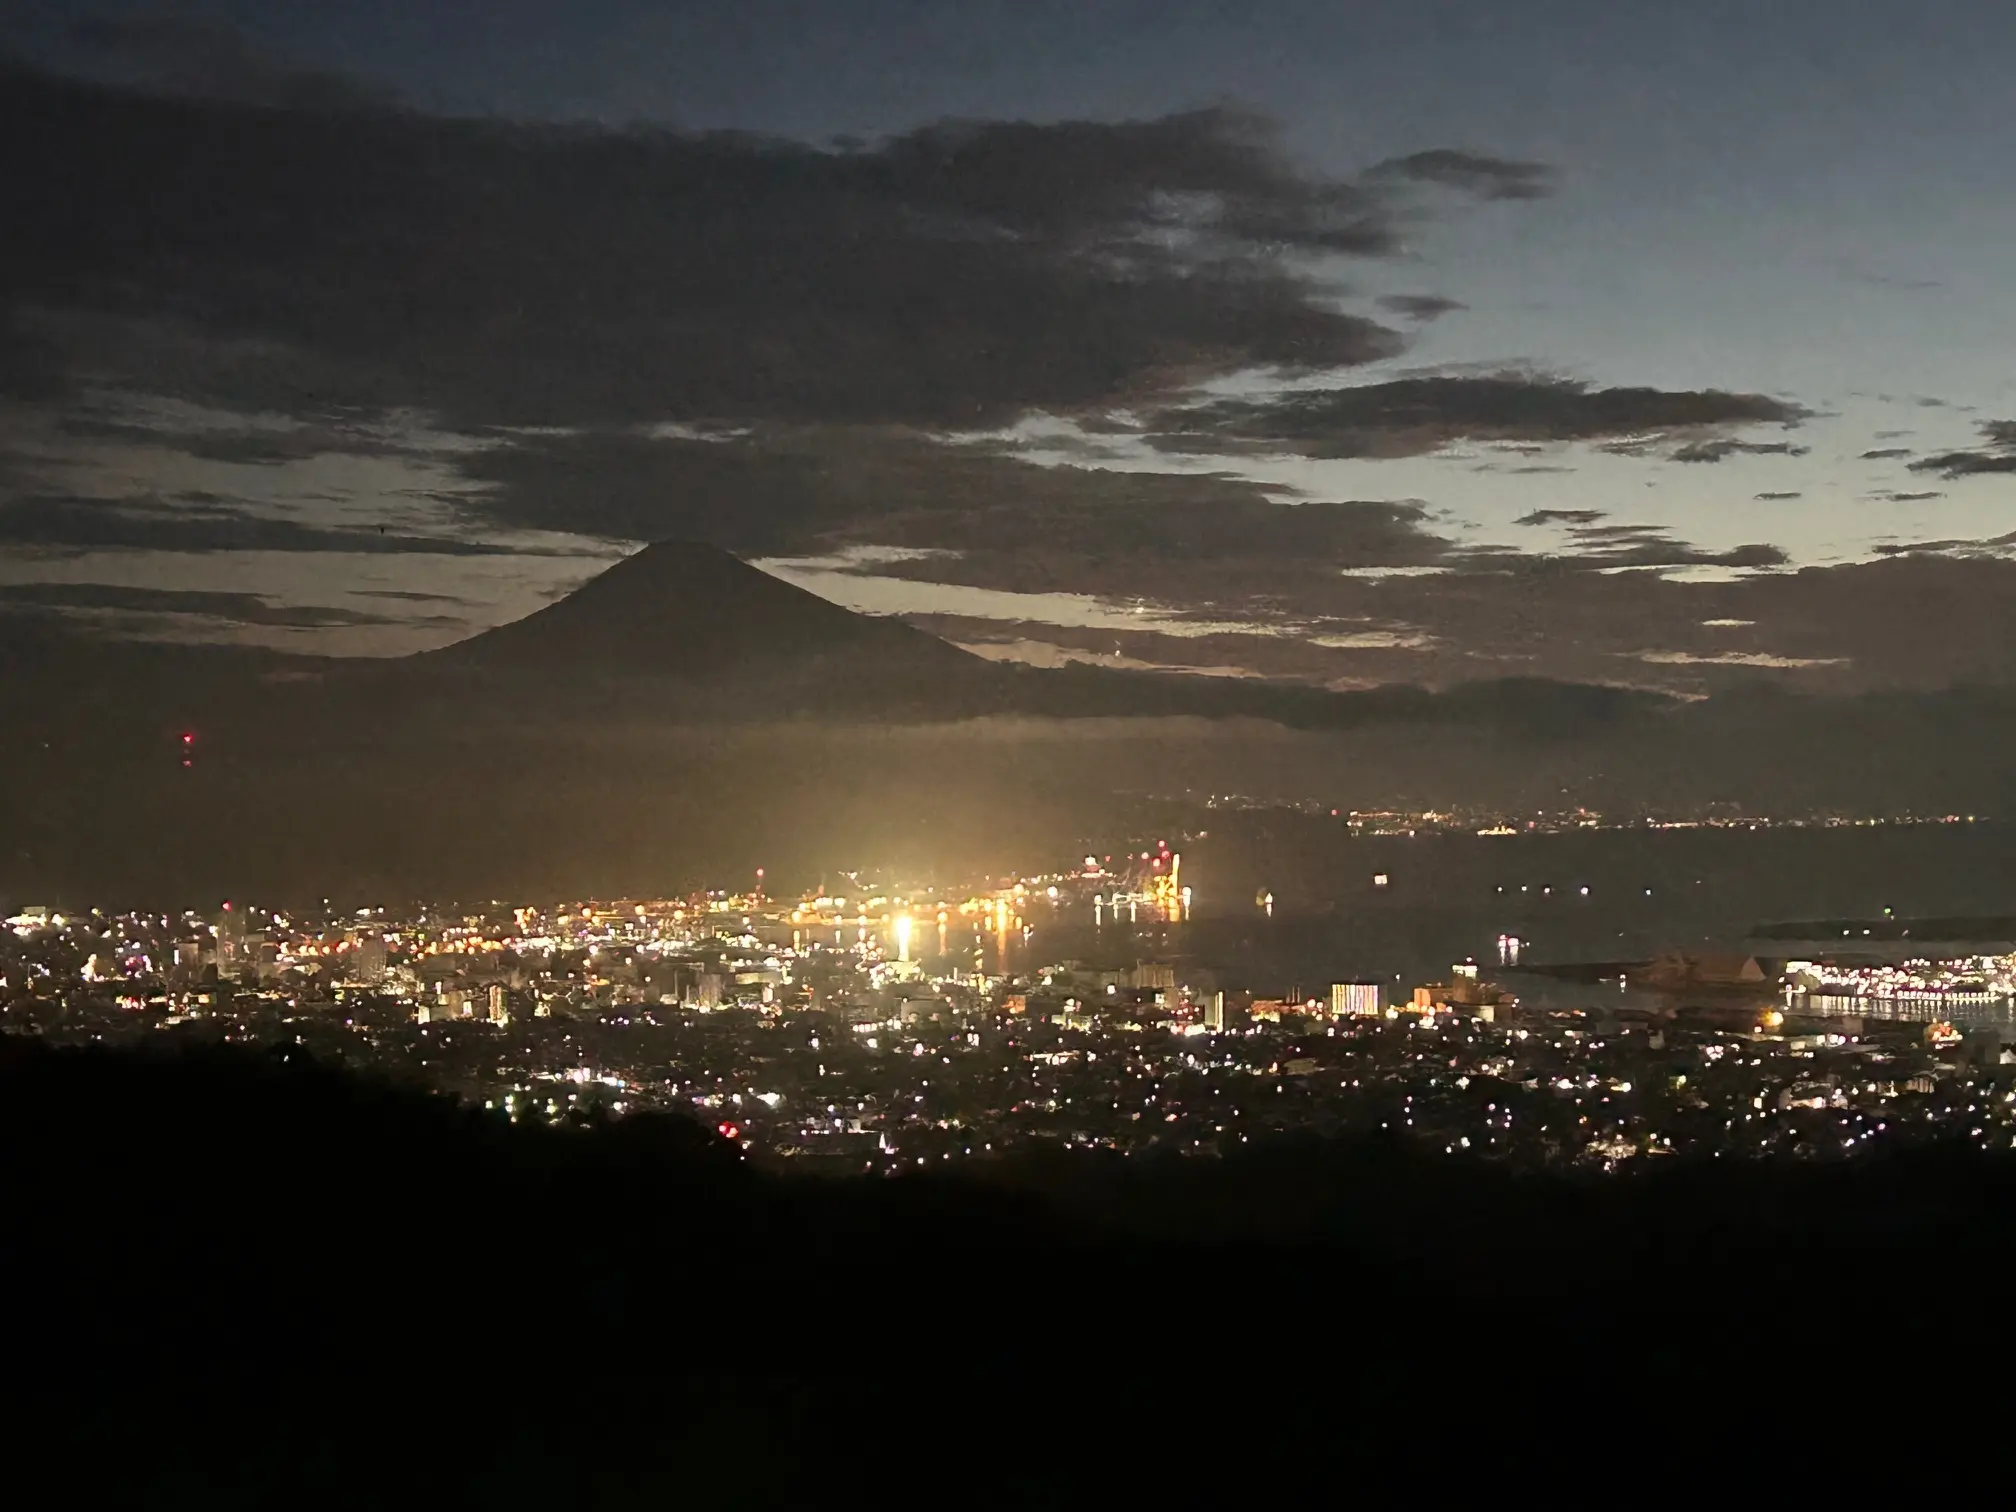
(683, 610)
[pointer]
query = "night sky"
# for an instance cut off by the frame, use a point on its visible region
(1649, 344)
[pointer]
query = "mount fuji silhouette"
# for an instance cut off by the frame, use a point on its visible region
(693, 612)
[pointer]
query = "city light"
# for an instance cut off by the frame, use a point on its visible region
(1090, 1023)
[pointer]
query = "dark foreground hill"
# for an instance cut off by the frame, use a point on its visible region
(237, 1208)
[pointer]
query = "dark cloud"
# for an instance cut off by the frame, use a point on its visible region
(1166, 523)
(959, 274)
(32, 362)
(1421, 307)
(259, 448)
(1856, 274)
(795, 492)
(1997, 454)
(984, 519)
(1717, 448)
(827, 313)
(1834, 629)
(1892, 496)
(1778, 495)
(195, 525)
(1654, 546)
(190, 58)
(1560, 517)
(239, 608)
(1883, 452)
(1987, 547)
(1472, 173)
(1205, 550)
(1410, 416)
(1602, 536)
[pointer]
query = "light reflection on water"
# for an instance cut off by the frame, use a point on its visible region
(1953, 1010)
(1053, 935)
(1258, 952)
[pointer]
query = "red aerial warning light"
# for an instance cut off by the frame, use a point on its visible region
(227, 905)
(727, 1130)
(188, 737)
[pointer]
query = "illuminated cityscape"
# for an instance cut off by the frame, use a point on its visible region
(723, 719)
(869, 1028)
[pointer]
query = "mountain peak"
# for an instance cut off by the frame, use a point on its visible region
(687, 609)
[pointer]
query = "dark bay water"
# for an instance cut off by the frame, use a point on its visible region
(1591, 895)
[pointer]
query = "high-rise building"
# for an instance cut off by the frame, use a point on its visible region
(230, 932)
(230, 923)
(1214, 1012)
(500, 1009)
(370, 959)
(1356, 999)
(261, 957)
